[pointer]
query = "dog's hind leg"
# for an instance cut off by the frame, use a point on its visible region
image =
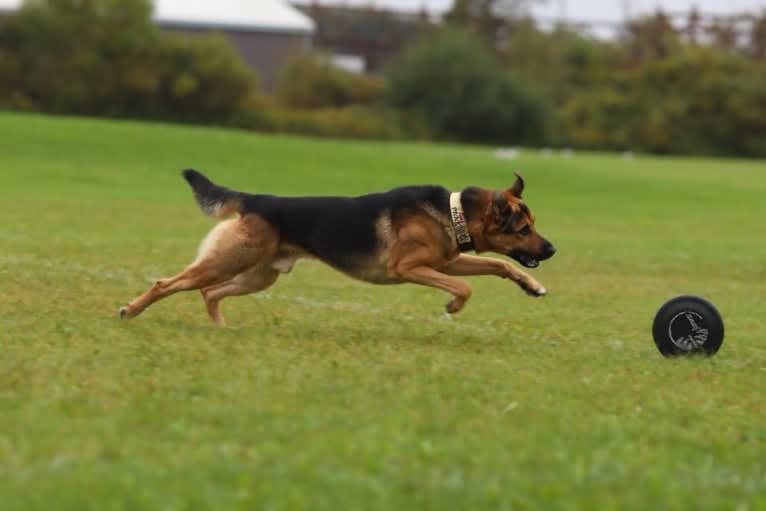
(231, 247)
(247, 282)
(195, 276)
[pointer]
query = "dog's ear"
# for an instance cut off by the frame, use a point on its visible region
(518, 186)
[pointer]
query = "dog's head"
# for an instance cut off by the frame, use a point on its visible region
(509, 228)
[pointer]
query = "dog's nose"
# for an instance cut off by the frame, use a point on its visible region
(549, 249)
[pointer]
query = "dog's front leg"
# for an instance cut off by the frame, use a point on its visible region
(466, 265)
(429, 277)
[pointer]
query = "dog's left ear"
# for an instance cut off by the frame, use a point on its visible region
(518, 186)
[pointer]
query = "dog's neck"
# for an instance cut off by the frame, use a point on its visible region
(459, 222)
(477, 209)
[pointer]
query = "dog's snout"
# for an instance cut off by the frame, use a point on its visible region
(549, 249)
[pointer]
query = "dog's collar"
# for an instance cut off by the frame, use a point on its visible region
(464, 241)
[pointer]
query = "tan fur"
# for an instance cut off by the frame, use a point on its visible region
(226, 209)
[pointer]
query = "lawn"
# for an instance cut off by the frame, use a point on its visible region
(329, 394)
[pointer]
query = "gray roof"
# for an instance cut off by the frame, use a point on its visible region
(257, 15)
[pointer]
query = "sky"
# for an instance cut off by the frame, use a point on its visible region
(592, 10)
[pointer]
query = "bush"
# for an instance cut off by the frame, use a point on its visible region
(311, 81)
(202, 78)
(452, 80)
(697, 101)
(70, 51)
(106, 57)
(379, 122)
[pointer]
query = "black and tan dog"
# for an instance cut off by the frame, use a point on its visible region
(412, 234)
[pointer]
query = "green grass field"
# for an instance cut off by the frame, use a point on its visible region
(329, 394)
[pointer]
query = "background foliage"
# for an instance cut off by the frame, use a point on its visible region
(311, 81)
(453, 81)
(491, 75)
(106, 57)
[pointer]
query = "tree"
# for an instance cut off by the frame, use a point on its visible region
(454, 82)
(107, 57)
(652, 37)
(758, 37)
(74, 52)
(312, 81)
(489, 18)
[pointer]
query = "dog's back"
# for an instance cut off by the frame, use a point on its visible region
(341, 230)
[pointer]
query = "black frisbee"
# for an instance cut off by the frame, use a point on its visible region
(688, 325)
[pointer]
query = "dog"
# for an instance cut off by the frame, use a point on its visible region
(415, 234)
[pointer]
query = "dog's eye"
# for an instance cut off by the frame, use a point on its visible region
(525, 230)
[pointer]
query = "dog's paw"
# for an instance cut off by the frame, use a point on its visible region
(532, 287)
(537, 292)
(124, 313)
(455, 305)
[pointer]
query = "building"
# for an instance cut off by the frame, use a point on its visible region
(265, 32)
(363, 38)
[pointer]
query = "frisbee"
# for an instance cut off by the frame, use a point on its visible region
(687, 325)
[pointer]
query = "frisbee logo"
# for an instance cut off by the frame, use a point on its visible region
(685, 331)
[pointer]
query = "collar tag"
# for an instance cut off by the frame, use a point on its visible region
(464, 240)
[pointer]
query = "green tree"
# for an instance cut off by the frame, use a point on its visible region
(757, 43)
(491, 19)
(699, 101)
(202, 78)
(652, 37)
(454, 82)
(311, 81)
(107, 57)
(76, 52)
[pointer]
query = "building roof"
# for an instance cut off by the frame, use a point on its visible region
(256, 15)
(274, 15)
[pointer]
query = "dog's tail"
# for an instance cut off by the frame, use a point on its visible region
(214, 200)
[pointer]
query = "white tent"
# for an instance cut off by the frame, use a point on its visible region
(260, 15)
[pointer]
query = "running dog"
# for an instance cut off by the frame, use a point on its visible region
(414, 234)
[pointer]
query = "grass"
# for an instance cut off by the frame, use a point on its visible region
(330, 394)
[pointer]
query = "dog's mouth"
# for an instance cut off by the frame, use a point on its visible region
(525, 259)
